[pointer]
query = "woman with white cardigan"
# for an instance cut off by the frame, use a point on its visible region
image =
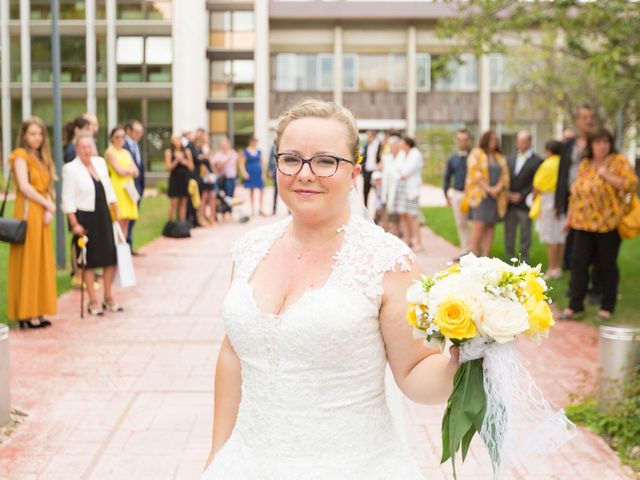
(87, 194)
(408, 194)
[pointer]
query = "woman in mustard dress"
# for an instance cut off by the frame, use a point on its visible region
(32, 273)
(122, 170)
(486, 191)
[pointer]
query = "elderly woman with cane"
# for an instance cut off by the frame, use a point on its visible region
(87, 195)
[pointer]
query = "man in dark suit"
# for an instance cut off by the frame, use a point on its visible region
(133, 131)
(522, 168)
(570, 157)
(370, 161)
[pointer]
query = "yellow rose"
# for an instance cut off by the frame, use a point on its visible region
(82, 241)
(540, 316)
(533, 288)
(453, 318)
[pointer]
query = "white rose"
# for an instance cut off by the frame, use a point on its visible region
(416, 294)
(503, 320)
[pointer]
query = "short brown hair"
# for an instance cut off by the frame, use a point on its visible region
(598, 135)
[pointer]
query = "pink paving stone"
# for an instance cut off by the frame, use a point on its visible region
(130, 395)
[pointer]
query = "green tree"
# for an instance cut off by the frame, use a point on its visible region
(569, 51)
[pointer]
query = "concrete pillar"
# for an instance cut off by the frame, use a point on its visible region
(189, 66)
(412, 88)
(484, 105)
(337, 65)
(90, 18)
(558, 127)
(5, 94)
(112, 102)
(25, 58)
(261, 80)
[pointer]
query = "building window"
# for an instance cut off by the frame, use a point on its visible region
(232, 78)
(142, 59)
(458, 77)
(242, 126)
(302, 72)
(350, 72)
(101, 59)
(382, 73)
(41, 9)
(143, 9)
(501, 72)
(72, 53)
(14, 55)
(423, 72)
(232, 30)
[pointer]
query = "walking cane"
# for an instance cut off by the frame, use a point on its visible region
(82, 262)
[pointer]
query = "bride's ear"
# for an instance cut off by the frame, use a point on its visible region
(357, 168)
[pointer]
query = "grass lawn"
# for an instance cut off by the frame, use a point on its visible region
(441, 221)
(153, 216)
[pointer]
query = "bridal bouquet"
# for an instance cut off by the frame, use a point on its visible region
(483, 306)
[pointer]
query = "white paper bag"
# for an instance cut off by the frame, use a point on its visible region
(125, 274)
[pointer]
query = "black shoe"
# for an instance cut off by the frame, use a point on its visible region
(45, 322)
(32, 323)
(137, 253)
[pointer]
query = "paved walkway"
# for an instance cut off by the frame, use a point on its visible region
(129, 396)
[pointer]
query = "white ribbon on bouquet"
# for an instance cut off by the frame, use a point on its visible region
(519, 423)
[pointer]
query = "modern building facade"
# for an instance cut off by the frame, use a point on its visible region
(233, 66)
(379, 58)
(118, 59)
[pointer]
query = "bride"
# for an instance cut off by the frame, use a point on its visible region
(315, 310)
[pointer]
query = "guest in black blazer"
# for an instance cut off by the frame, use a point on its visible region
(370, 161)
(571, 155)
(522, 169)
(134, 130)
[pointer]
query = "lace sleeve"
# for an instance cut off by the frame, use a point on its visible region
(372, 253)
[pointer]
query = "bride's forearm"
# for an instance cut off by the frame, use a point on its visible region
(431, 380)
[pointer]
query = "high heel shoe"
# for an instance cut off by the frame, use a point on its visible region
(111, 306)
(96, 311)
(30, 324)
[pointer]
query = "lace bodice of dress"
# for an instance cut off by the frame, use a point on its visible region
(313, 377)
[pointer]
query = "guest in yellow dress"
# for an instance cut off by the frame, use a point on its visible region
(32, 273)
(122, 170)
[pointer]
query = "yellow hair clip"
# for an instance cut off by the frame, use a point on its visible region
(360, 158)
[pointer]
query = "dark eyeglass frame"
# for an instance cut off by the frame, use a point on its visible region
(308, 161)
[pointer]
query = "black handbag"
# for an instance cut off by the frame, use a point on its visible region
(11, 229)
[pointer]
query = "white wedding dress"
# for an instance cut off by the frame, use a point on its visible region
(313, 392)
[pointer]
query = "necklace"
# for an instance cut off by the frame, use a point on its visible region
(299, 253)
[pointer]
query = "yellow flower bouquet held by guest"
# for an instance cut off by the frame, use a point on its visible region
(483, 306)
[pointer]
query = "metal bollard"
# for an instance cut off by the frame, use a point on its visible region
(619, 354)
(5, 397)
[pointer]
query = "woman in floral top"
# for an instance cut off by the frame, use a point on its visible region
(486, 189)
(596, 208)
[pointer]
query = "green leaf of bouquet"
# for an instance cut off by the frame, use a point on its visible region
(465, 411)
(466, 441)
(446, 452)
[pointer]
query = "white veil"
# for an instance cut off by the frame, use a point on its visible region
(357, 205)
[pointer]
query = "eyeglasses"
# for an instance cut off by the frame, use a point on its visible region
(321, 165)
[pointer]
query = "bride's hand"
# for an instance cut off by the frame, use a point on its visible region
(454, 361)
